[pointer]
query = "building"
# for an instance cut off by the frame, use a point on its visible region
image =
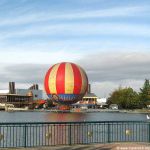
(20, 97)
(16, 100)
(101, 103)
(37, 94)
(11, 97)
(88, 101)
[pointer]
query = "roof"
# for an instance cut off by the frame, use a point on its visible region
(5, 94)
(101, 100)
(90, 95)
(4, 91)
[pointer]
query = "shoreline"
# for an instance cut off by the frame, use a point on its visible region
(139, 111)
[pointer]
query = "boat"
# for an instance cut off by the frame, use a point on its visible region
(12, 108)
(2, 106)
(148, 116)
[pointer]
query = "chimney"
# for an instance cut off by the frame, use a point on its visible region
(12, 88)
(36, 87)
(33, 87)
(89, 88)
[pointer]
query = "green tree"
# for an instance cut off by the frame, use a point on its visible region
(49, 103)
(126, 98)
(145, 93)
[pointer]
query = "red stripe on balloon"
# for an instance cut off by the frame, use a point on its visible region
(77, 79)
(60, 79)
(86, 83)
(46, 81)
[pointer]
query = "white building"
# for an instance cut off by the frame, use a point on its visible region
(101, 102)
(4, 91)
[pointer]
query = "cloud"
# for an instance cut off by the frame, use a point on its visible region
(38, 57)
(63, 31)
(23, 74)
(29, 16)
(116, 67)
(103, 89)
(106, 72)
(34, 35)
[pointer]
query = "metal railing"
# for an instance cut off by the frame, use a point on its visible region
(67, 133)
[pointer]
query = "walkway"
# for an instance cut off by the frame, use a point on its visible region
(113, 146)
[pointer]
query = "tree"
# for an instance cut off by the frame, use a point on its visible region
(145, 93)
(126, 98)
(49, 103)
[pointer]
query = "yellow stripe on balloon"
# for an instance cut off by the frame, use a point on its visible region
(84, 81)
(69, 79)
(52, 79)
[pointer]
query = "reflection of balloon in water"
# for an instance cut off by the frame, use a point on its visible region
(65, 117)
(65, 83)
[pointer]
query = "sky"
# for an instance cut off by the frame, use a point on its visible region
(110, 39)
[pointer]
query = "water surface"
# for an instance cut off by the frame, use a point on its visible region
(52, 117)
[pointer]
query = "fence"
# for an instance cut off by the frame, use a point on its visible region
(67, 133)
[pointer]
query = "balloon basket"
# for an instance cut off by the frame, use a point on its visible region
(64, 107)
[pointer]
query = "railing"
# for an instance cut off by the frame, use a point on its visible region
(67, 133)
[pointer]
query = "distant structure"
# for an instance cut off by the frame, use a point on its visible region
(101, 103)
(89, 98)
(88, 101)
(36, 93)
(30, 93)
(20, 97)
(18, 100)
(34, 87)
(12, 88)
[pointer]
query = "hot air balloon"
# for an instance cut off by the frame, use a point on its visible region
(65, 83)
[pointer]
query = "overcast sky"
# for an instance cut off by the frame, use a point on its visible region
(110, 39)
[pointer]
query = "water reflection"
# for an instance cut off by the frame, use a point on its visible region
(70, 117)
(96, 116)
(63, 117)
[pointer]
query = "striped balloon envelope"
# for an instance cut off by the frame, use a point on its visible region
(66, 83)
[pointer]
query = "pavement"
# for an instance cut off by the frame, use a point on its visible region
(111, 146)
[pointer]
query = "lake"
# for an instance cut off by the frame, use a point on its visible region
(53, 133)
(58, 117)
